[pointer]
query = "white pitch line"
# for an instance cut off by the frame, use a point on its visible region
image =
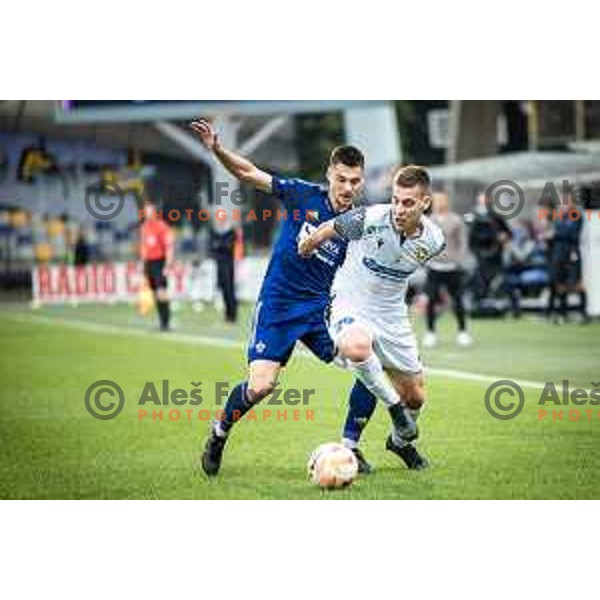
(93, 327)
(201, 340)
(480, 378)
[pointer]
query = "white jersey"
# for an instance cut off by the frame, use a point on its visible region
(370, 287)
(374, 277)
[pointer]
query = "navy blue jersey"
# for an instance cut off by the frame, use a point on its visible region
(295, 286)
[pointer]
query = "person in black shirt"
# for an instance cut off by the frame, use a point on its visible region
(222, 250)
(487, 236)
(82, 251)
(564, 257)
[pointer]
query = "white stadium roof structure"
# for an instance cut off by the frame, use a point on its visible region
(159, 127)
(529, 169)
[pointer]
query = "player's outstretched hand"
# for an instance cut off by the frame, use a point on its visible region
(309, 241)
(205, 131)
(306, 247)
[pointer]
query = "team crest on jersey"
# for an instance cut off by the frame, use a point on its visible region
(380, 243)
(421, 254)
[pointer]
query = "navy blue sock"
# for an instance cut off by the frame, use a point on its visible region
(361, 406)
(236, 407)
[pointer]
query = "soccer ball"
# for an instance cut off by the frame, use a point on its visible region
(332, 466)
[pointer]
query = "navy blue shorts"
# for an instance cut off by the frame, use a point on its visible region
(274, 336)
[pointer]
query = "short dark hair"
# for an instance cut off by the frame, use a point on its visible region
(412, 175)
(348, 156)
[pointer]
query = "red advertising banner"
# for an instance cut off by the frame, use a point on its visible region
(112, 282)
(121, 282)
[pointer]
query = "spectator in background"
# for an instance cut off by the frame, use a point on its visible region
(521, 256)
(222, 249)
(547, 234)
(564, 257)
(156, 250)
(447, 271)
(82, 251)
(487, 236)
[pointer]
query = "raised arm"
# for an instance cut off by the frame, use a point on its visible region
(240, 167)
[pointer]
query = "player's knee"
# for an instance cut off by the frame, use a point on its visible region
(357, 351)
(356, 346)
(259, 387)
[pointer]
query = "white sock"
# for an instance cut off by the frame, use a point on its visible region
(218, 430)
(350, 444)
(371, 373)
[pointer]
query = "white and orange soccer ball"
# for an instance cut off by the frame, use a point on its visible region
(332, 466)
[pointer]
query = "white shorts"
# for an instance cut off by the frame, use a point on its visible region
(394, 345)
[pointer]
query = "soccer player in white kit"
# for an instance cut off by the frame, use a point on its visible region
(369, 321)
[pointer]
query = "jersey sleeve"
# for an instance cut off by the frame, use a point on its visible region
(351, 225)
(293, 192)
(440, 250)
(431, 248)
(437, 246)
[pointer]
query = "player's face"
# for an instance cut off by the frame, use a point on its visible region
(408, 205)
(345, 184)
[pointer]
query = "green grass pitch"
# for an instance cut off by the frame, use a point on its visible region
(52, 447)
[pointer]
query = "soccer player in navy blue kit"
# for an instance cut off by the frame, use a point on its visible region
(295, 293)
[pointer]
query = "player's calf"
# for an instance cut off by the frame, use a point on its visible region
(240, 401)
(164, 308)
(371, 373)
(261, 382)
(259, 387)
(415, 400)
(412, 389)
(361, 406)
(355, 343)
